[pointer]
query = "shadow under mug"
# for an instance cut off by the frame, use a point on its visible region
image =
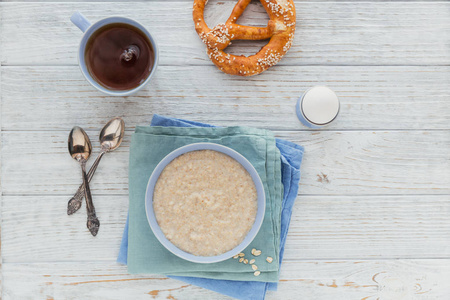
(81, 22)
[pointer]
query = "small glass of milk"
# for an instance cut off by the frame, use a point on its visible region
(317, 107)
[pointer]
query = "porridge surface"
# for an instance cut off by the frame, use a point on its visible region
(205, 202)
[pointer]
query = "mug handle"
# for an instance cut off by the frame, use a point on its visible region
(80, 21)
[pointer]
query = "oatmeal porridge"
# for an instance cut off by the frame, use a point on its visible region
(205, 202)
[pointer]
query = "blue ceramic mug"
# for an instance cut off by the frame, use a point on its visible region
(81, 22)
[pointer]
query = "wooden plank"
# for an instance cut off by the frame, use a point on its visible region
(371, 97)
(1, 70)
(342, 33)
(353, 162)
(37, 229)
(355, 279)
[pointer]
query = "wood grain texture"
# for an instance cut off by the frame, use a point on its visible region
(354, 162)
(1, 193)
(339, 33)
(356, 279)
(371, 97)
(372, 217)
(322, 227)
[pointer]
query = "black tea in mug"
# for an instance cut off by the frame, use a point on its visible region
(119, 56)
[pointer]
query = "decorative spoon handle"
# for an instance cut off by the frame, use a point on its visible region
(93, 223)
(74, 203)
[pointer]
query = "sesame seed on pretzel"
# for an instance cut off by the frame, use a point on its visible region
(280, 30)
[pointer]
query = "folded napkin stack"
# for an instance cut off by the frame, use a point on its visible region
(278, 164)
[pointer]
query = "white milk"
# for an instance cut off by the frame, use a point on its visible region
(317, 107)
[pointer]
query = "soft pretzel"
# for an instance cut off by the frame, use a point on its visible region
(280, 29)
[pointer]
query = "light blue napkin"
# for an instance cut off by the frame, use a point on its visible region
(291, 157)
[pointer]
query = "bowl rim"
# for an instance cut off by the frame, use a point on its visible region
(261, 201)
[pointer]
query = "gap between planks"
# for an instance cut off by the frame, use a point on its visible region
(18, 65)
(284, 130)
(285, 260)
(299, 195)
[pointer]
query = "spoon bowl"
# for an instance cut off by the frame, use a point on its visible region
(112, 134)
(80, 147)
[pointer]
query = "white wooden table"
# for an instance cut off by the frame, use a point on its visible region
(372, 219)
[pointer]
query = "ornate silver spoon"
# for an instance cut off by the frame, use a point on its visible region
(111, 137)
(80, 149)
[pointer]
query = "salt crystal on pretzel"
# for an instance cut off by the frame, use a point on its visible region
(280, 29)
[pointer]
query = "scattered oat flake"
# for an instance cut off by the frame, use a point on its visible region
(252, 261)
(241, 259)
(256, 252)
(241, 254)
(254, 267)
(236, 256)
(257, 273)
(269, 259)
(245, 261)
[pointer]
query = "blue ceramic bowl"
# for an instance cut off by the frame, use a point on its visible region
(151, 214)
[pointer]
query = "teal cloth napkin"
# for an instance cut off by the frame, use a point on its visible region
(151, 144)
